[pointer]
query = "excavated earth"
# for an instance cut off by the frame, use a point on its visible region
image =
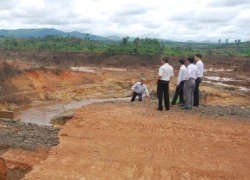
(124, 140)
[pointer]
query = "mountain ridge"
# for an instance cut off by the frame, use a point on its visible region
(42, 32)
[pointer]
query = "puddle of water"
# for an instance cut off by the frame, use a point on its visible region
(226, 85)
(217, 78)
(40, 113)
(92, 70)
(218, 70)
(83, 69)
(114, 69)
(244, 89)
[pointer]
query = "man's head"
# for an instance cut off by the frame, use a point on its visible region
(143, 80)
(197, 57)
(164, 59)
(190, 60)
(181, 62)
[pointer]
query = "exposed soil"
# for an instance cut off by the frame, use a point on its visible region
(119, 139)
(123, 140)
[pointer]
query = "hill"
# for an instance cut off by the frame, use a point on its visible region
(36, 33)
(42, 32)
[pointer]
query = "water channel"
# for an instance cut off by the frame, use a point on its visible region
(40, 112)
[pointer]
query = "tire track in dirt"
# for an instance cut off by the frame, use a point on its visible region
(115, 141)
(165, 129)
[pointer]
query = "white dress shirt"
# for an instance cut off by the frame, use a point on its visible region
(139, 87)
(181, 76)
(166, 72)
(200, 67)
(191, 72)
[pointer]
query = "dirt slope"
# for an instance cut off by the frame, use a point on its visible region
(121, 140)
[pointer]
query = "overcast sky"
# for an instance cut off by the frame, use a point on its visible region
(167, 19)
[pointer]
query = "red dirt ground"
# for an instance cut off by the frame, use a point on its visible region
(133, 141)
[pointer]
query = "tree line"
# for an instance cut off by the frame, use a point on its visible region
(136, 46)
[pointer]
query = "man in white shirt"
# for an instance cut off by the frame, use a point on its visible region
(166, 72)
(137, 89)
(191, 75)
(200, 67)
(180, 84)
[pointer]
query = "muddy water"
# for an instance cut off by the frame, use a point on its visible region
(40, 113)
(227, 78)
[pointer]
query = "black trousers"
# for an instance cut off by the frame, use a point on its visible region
(179, 92)
(196, 92)
(163, 89)
(134, 96)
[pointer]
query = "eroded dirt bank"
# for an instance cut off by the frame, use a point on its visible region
(120, 140)
(23, 145)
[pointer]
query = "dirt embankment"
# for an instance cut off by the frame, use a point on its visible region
(66, 59)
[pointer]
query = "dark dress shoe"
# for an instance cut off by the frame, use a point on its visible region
(159, 109)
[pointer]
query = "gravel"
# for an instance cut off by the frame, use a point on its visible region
(213, 111)
(28, 136)
(237, 112)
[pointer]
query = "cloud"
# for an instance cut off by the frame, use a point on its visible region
(131, 10)
(227, 3)
(177, 20)
(5, 4)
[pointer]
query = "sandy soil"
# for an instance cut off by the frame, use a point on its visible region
(120, 140)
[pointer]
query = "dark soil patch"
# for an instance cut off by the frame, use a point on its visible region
(27, 136)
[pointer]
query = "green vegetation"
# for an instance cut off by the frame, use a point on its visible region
(137, 46)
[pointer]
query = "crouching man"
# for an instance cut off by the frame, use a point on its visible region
(137, 89)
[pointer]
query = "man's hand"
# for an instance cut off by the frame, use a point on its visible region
(157, 80)
(132, 93)
(148, 97)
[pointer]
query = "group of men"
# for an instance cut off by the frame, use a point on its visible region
(187, 88)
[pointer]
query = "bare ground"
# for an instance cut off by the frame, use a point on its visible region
(122, 140)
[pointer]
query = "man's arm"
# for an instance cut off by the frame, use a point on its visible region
(146, 91)
(159, 77)
(170, 79)
(172, 74)
(181, 75)
(198, 65)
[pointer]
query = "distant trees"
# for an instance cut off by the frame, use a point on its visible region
(219, 40)
(87, 36)
(136, 46)
(142, 47)
(125, 41)
(237, 41)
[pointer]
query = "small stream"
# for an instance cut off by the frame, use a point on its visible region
(40, 112)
